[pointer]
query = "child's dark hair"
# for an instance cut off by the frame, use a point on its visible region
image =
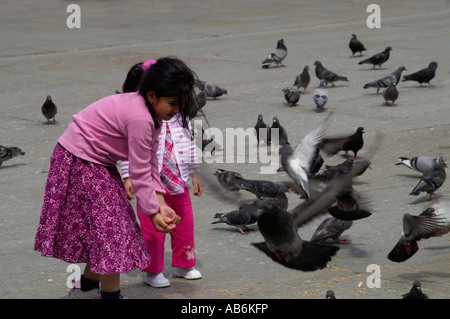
(167, 77)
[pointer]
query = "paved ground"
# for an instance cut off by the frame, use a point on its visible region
(224, 42)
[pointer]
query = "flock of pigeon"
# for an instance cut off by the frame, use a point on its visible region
(328, 190)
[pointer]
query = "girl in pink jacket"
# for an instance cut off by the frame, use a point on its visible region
(86, 216)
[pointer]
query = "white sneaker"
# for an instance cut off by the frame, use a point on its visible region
(156, 280)
(188, 273)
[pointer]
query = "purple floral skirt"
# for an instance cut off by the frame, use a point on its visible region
(87, 218)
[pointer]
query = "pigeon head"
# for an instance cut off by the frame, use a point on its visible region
(360, 129)
(306, 68)
(388, 49)
(316, 63)
(440, 162)
(433, 65)
(417, 285)
(354, 35)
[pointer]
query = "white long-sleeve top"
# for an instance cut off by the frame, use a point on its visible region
(183, 149)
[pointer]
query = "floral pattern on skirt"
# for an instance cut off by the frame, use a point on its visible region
(87, 218)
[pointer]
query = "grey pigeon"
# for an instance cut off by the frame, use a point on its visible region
(282, 134)
(320, 97)
(49, 109)
(279, 229)
(328, 76)
(247, 214)
(432, 222)
(390, 94)
(296, 162)
(291, 95)
(355, 142)
(420, 163)
(261, 128)
(229, 180)
(378, 59)
(302, 80)
(211, 89)
(331, 228)
(415, 292)
(209, 144)
(6, 153)
(330, 295)
(387, 80)
(261, 188)
(356, 46)
(199, 102)
(432, 179)
(276, 56)
(424, 75)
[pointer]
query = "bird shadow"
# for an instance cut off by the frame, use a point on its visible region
(11, 165)
(355, 251)
(235, 229)
(423, 275)
(442, 247)
(409, 176)
(426, 198)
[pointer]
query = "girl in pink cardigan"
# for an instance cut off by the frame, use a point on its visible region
(175, 165)
(86, 216)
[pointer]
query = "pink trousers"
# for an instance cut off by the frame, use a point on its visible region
(182, 237)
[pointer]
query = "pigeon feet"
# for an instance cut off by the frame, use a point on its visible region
(342, 241)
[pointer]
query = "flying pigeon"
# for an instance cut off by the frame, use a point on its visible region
(6, 153)
(330, 77)
(261, 128)
(424, 75)
(49, 109)
(211, 89)
(420, 163)
(331, 228)
(247, 214)
(292, 96)
(296, 162)
(415, 292)
(279, 229)
(282, 133)
(378, 59)
(209, 144)
(302, 80)
(276, 56)
(387, 80)
(432, 222)
(390, 94)
(356, 46)
(432, 179)
(320, 97)
(349, 205)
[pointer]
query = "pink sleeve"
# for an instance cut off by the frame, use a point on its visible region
(142, 147)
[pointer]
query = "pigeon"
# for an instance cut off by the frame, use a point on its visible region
(390, 94)
(432, 222)
(261, 128)
(209, 144)
(49, 109)
(330, 77)
(378, 59)
(292, 96)
(261, 188)
(424, 75)
(6, 153)
(432, 179)
(415, 292)
(420, 163)
(356, 46)
(320, 97)
(332, 172)
(387, 80)
(331, 228)
(349, 205)
(247, 214)
(211, 89)
(279, 229)
(282, 133)
(330, 295)
(228, 179)
(296, 162)
(276, 56)
(302, 80)
(355, 142)
(199, 102)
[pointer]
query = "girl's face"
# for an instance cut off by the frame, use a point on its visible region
(165, 107)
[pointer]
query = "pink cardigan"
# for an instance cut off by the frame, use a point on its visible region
(118, 128)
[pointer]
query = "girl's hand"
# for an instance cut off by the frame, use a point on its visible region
(128, 188)
(169, 216)
(198, 186)
(160, 225)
